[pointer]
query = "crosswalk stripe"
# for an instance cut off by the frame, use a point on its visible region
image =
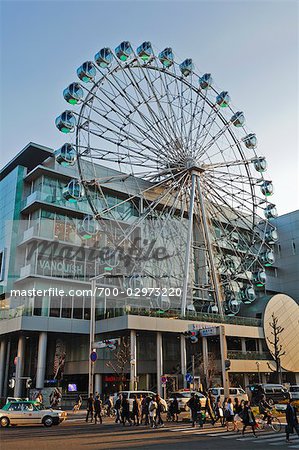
(293, 446)
(279, 443)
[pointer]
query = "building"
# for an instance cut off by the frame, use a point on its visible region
(46, 297)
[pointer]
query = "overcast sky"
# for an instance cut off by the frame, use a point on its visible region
(250, 47)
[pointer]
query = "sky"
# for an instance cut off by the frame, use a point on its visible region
(250, 47)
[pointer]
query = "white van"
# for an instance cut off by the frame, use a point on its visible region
(130, 397)
(234, 392)
(294, 392)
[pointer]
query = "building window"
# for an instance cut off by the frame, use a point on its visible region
(2, 266)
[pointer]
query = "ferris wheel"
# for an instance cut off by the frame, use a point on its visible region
(164, 158)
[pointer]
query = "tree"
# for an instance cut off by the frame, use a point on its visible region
(276, 349)
(119, 365)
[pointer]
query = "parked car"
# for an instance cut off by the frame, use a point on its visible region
(274, 393)
(234, 392)
(27, 413)
(294, 392)
(184, 396)
(130, 397)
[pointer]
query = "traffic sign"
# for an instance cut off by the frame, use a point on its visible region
(93, 356)
(188, 377)
(212, 331)
(163, 380)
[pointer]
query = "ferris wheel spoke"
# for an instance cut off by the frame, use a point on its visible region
(125, 114)
(124, 134)
(205, 131)
(157, 96)
(215, 138)
(137, 85)
(239, 218)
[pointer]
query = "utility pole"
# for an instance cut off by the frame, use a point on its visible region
(193, 371)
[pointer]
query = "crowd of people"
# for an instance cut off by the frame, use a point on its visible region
(234, 415)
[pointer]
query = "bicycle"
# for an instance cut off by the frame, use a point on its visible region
(270, 422)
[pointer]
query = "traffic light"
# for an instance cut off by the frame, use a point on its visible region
(12, 383)
(28, 383)
(227, 364)
(192, 335)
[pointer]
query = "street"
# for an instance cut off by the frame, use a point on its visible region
(75, 434)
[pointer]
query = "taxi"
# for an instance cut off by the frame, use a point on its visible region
(29, 413)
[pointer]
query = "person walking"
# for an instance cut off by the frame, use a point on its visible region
(218, 410)
(248, 418)
(229, 414)
(175, 409)
(144, 409)
(153, 412)
(193, 405)
(125, 411)
(209, 407)
(78, 403)
(238, 407)
(292, 420)
(98, 410)
(136, 410)
(160, 410)
(117, 408)
(90, 408)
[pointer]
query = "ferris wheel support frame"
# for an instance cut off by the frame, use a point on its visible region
(195, 183)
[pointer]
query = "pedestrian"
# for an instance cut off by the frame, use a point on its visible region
(238, 407)
(224, 405)
(218, 410)
(160, 410)
(90, 408)
(248, 418)
(153, 412)
(209, 407)
(144, 409)
(98, 410)
(229, 414)
(175, 409)
(39, 398)
(292, 420)
(125, 411)
(117, 407)
(78, 403)
(108, 404)
(193, 405)
(136, 412)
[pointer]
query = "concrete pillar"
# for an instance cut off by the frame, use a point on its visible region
(159, 362)
(41, 360)
(5, 387)
(243, 344)
(2, 364)
(98, 383)
(147, 381)
(183, 359)
(223, 351)
(133, 360)
(20, 367)
(205, 356)
(246, 380)
(260, 345)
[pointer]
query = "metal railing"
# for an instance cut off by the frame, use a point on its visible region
(144, 312)
(237, 354)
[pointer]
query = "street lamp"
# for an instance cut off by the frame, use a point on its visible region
(258, 370)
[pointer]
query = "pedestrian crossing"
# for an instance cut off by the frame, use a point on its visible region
(264, 438)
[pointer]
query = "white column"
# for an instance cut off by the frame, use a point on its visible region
(183, 359)
(205, 356)
(41, 360)
(2, 364)
(246, 380)
(133, 360)
(159, 362)
(20, 366)
(243, 345)
(223, 350)
(260, 345)
(98, 383)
